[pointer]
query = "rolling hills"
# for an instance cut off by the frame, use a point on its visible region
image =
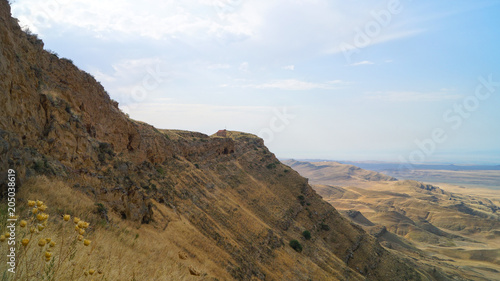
(448, 228)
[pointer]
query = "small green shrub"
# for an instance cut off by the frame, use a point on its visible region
(102, 211)
(53, 53)
(302, 199)
(105, 152)
(306, 234)
(296, 245)
(160, 170)
(271, 166)
(42, 166)
(325, 227)
(67, 60)
(38, 166)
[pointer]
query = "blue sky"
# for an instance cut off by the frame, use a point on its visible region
(344, 80)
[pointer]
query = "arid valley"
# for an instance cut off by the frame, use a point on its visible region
(441, 225)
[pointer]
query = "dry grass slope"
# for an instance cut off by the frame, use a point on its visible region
(119, 250)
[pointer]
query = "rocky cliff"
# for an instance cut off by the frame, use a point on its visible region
(57, 120)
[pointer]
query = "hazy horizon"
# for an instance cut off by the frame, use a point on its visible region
(396, 81)
(372, 161)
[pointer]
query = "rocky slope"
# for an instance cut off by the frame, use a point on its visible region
(58, 121)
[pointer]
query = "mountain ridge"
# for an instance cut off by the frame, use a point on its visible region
(58, 121)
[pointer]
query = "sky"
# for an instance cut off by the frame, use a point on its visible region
(394, 80)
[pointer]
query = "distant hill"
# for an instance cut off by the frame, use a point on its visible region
(328, 172)
(463, 175)
(388, 166)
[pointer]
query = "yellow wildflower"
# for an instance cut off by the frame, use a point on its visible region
(41, 243)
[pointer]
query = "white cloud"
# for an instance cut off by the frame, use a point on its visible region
(338, 82)
(295, 85)
(168, 19)
(289, 67)
(133, 80)
(130, 70)
(347, 46)
(412, 96)
(219, 66)
(324, 24)
(243, 66)
(160, 105)
(365, 62)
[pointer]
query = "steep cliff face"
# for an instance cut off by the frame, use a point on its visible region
(58, 120)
